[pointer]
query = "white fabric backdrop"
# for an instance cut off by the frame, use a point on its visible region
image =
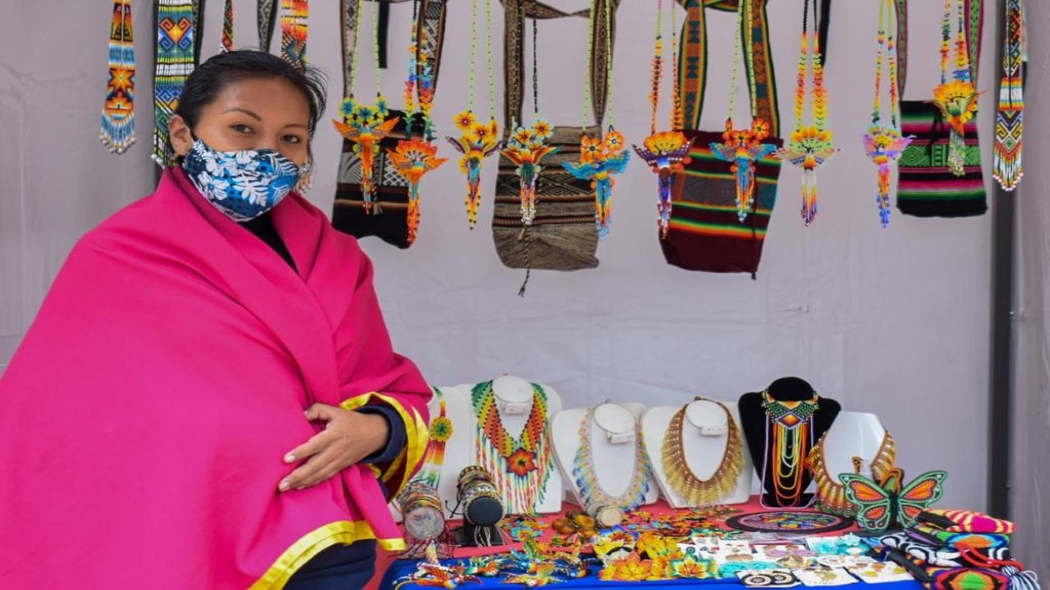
(890, 321)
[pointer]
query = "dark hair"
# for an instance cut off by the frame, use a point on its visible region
(209, 78)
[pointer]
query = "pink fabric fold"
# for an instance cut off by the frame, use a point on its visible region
(144, 418)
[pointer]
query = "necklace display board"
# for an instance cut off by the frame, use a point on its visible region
(706, 458)
(781, 425)
(608, 466)
(511, 424)
(856, 443)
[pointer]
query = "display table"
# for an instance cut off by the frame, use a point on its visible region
(389, 569)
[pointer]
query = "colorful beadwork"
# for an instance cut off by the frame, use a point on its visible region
(118, 111)
(1009, 118)
(587, 480)
(881, 504)
(293, 30)
(227, 26)
(526, 148)
(789, 521)
(412, 159)
(266, 15)
(789, 432)
(680, 476)
(811, 142)
(831, 495)
(420, 84)
(956, 98)
(175, 61)
(885, 143)
(522, 465)
(600, 158)
(440, 432)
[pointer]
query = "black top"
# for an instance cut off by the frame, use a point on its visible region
(264, 229)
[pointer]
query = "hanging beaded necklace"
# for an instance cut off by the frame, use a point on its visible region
(666, 152)
(884, 143)
(175, 60)
(365, 125)
(1009, 118)
(293, 30)
(587, 479)
(477, 140)
(743, 147)
(521, 465)
(789, 436)
(831, 494)
(440, 432)
(117, 131)
(811, 142)
(600, 157)
(956, 96)
(680, 477)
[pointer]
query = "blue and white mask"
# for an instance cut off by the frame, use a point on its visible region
(243, 184)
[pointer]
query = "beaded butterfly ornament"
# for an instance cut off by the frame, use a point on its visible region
(887, 502)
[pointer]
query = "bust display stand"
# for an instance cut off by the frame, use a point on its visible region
(705, 434)
(856, 443)
(614, 440)
(513, 406)
(761, 431)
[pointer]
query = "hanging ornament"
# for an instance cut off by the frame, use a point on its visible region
(526, 149)
(366, 125)
(666, 152)
(743, 147)
(1009, 119)
(227, 26)
(118, 111)
(600, 157)
(810, 144)
(412, 159)
(956, 98)
(293, 30)
(176, 50)
(885, 143)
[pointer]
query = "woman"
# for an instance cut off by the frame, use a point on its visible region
(208, 397)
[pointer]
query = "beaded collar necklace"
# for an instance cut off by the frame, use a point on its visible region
(789, 434)
(831, 494)
(587, 480)
(680, 476)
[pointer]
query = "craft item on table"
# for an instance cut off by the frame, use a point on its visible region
(700, 547)
(889, 501)
(1009, 118)
(846, 561)
(811, 142)
(831, 494)
(421, 510)
(541, 574)
(680, 475)
(482, 507)
(590, 487)
(477, 140)
(1021, 579)
(227, 26)
(437, 575)
(956, 97)
(789, 434)
(733, 568)
(576, 523)
(690, 522)
(526, 148)
(266, 15)
(118, 110)
(789, 521)
(610, 546)
(521, 465)
(885, 143)
(961, 539)
(666, 152)
(600, 157)
(965, 521)
(876, 572)
(605, 515)
(175, 60)
(743, 147)
(848, 544)
(824, 576)
(293, 15)
(768, 579)
(521, 527)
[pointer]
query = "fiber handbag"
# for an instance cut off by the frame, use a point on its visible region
(562, 235)
(705, 232)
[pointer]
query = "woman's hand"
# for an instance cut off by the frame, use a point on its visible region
(347, 438)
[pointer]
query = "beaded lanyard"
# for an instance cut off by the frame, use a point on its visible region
(600, 157)
(1009, 118)
(440, 432)
(413, 158)
(293, 30)
(666, 152)
(118, 110)
(956, 97)
(176, 50)
(365, 125)
(521, 465)
(266, 15)
(680, 476)
(743, 147)
(884, 143)
(789, 434)
(587, 480)
(810, 144)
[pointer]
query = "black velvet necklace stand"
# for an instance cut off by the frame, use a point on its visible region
(753, 419)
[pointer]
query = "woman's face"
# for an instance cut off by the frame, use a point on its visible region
(250, 114)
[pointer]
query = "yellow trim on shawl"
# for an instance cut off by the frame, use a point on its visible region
(341, 532)
(417, 436)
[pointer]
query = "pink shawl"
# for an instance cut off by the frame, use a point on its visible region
(144, 418)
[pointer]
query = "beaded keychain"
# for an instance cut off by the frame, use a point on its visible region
(810, 144)
(477, 141)
(666, 152)
(885, 143)
(1009, 119)
(366, 125)
(956, 98)
(293, 30)
(118, 111)
(600, 157)
(416, 156)
(743, 147)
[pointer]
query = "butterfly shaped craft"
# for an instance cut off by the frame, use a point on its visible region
(890, 501)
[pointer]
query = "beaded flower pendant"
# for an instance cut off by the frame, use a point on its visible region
(476, 142)
(412, 159)
(600, 158)
(365, 126)
(526, 148)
